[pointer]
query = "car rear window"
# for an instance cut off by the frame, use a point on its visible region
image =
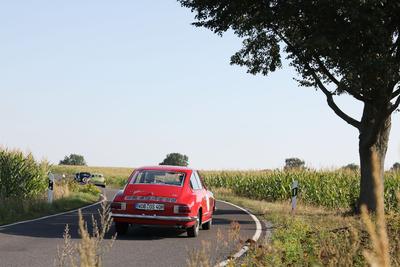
(158, 177)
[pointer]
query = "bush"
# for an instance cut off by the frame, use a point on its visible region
(73, 159)
(294, 164)
(176, 159)
(20, 175)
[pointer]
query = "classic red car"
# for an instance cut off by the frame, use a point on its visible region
(164, 196)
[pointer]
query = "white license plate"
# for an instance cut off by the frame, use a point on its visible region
(149, 206)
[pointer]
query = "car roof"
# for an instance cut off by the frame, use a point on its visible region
(166, 168)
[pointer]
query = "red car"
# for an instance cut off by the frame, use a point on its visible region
(164, 195)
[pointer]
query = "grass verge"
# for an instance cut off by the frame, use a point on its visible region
(12, 210)
(313, 236)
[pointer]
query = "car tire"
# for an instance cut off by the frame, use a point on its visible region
(121, 228)
(84, 180)
(207, 225)
(194, 230)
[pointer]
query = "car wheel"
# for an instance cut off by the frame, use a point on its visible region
(194, 230)
(207, 225)
(121, 228)
(84, 180)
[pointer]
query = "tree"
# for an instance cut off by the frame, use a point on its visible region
(337, 47)
(396, 167)
(294, 163)
(73, 159)
(351, 167)
(176, 159)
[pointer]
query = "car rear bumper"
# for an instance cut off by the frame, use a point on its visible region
(155, 217)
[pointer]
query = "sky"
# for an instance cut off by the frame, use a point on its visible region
(124, 83)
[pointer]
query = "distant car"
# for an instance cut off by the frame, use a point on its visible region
(82, 177)
(164, 196)
(98, 179)
(90, 178)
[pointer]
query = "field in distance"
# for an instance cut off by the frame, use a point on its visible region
(115, 176)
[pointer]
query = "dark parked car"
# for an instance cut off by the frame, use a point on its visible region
(90, 178)
(82, 177)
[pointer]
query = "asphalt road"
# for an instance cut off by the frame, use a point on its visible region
(35, 243)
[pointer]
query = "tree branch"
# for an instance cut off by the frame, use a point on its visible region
(328, 94)
(395, 105)
(331, 102)
(395, 93)
(336, 81)
(331, 77)
(326, 71)
(396, 46)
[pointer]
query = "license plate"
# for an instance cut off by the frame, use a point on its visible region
(149, 206)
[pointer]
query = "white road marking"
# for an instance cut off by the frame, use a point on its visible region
(255, 237)
(54, 215)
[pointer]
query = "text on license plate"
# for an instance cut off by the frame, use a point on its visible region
(149, 206)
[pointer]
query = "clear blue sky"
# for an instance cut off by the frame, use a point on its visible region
(126, 82)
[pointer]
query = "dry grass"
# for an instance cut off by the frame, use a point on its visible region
(200, 257)
(90, 249)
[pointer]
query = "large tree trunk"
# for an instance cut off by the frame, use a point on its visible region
(374, 137)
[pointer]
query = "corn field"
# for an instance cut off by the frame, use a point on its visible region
(20, 175)
(333, 189)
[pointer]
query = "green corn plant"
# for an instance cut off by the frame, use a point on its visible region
(333, 189)
(20, 175)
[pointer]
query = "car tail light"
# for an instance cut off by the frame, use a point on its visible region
(118, 205)
(179, 209)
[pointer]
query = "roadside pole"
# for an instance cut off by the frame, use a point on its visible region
(294, 190)
(50, 188)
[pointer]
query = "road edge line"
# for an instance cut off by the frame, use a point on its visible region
(255, 237)
(103, 198)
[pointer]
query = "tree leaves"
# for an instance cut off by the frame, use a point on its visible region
(351, 45)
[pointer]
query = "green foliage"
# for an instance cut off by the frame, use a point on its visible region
(293, 164)
(88, 189)
(351, 167)
(396, 167)
(333, 189)
(338, 47)
(176, 159)
(352, 45)
(73, 159)
(20, 175)
(290, 241)
(12, 210)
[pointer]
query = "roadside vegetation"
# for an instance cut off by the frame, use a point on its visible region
(338, 189)
(89, 250)
(23, 189)
(315, 236)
